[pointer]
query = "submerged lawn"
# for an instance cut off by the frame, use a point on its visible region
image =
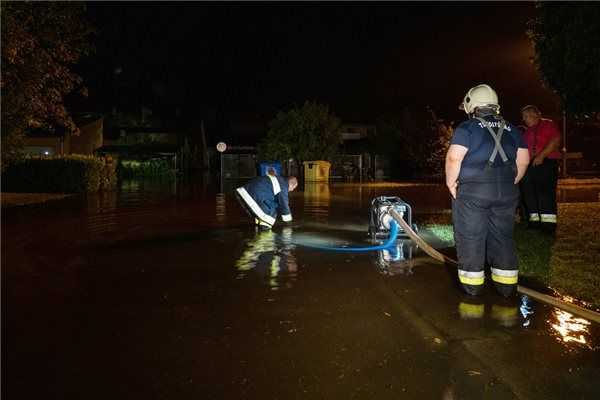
(568, 263)
(22, 199)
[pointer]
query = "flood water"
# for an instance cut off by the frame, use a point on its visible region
(165, 290)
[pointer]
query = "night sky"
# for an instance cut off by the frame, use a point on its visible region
(364, 60)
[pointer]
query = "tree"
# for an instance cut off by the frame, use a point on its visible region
(566, 38)
(41, 41)
(413, 140)
(304, 133)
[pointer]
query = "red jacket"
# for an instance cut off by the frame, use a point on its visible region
(538, 136)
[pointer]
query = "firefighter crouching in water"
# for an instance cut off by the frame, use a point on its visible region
(266, 197)
(486, 159)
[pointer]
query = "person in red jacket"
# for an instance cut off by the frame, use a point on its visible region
(539, 183)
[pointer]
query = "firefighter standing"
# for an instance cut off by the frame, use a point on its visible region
(539, 183)
(486, 159)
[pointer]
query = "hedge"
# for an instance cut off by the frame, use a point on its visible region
(60, 174)
(153, 168)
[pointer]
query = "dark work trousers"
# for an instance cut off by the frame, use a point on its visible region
(483, 215)
(539, 191)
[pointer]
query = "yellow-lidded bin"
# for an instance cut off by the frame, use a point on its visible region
(316, 171)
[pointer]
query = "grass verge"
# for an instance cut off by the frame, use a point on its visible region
(575, 255)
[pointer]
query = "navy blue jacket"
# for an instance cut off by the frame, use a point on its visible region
(266, 197)
(475, 137)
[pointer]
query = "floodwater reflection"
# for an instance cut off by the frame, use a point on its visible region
(270, 255)
(396, 260)
(220, 208)
(570, 330)
(316, 200)
(505, 312)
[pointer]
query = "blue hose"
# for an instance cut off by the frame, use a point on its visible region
(389, 243)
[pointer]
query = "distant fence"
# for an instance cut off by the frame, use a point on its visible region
(239, 166)
(350, 167)
(347, 167)
(381, 167)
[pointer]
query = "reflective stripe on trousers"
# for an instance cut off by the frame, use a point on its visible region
(471, 278)
(549, 218)
(262, 223)
(505, 276)
(534, 217)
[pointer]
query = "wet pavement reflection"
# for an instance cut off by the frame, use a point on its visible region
(165, 290)
(271, 256)
(570, 329)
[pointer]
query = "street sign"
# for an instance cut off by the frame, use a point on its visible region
(221, 147)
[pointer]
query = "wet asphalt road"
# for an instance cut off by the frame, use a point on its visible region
(171, 294)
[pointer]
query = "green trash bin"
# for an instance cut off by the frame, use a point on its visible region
(316, 171)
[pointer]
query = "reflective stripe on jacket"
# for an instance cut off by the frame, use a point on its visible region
(267, 196)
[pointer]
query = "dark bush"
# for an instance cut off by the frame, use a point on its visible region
(152, 168)
(61, 174)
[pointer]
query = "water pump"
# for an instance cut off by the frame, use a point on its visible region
(380, 217)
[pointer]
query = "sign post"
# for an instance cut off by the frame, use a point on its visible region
(221, 147)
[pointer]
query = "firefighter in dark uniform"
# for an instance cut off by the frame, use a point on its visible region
(486, 159)
(266, 197)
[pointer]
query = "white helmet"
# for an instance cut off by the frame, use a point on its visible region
(479, 96)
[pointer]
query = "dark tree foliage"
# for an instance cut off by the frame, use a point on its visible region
(566, 37)
(413, 141)
(41, 41)
(310, 132)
